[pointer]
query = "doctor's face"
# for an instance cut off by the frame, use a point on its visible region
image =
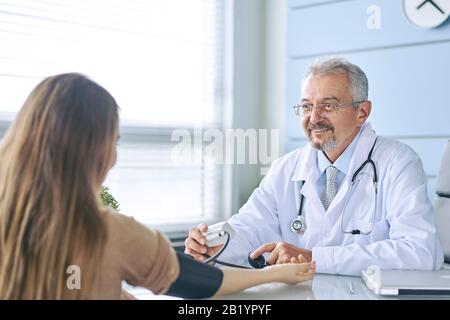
(331, 131)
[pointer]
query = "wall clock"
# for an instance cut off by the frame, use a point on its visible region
(426, 13)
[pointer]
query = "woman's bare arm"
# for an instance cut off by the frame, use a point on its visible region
(236, 280)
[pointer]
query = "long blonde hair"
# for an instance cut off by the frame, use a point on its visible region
(53, 160)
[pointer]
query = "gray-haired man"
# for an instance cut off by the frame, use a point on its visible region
(363, 198)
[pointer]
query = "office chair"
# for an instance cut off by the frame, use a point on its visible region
(442, 203)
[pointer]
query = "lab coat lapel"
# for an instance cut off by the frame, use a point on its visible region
(307, 171)
(360, 154)
(362, 149)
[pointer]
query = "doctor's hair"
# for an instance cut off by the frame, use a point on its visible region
(359, 85)
(54, 158)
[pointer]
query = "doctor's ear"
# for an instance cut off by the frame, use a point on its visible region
(363, 113)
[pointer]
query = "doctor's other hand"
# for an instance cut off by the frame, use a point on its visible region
(292, 273)
(195, 244)
(282, 252)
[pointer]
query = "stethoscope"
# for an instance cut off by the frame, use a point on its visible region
(298, 225)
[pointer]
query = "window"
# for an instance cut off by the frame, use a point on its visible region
(163, 61)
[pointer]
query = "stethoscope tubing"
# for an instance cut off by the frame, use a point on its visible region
(355, 175)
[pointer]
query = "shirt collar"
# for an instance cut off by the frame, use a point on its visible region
(342, 163)
(306, 166)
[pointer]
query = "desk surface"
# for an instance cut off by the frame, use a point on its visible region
(322, 287)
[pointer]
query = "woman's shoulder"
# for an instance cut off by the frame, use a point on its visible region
(126, 227)
(117, 219)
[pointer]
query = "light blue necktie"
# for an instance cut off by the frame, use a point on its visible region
(330, 189)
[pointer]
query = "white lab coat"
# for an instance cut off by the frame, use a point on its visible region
(403, 234)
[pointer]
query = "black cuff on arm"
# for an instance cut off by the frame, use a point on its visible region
(196, 280)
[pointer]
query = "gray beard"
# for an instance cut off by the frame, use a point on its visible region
(328, 146)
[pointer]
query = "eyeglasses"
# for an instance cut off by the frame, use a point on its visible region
(305, 109)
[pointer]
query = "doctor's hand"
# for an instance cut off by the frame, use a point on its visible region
(195, 244)
(283, 252)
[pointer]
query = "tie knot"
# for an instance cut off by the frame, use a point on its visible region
(331, 172)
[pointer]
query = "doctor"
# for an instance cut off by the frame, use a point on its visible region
(347, 200)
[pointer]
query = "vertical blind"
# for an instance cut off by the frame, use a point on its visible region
(163, 61)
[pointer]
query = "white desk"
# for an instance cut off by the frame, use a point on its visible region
(322, 287)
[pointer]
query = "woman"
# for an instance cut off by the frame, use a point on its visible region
(53, 160)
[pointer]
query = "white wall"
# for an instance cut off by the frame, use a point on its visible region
(259, 78)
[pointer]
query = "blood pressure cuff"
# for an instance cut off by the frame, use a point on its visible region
(196, 280)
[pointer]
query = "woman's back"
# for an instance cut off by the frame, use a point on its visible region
(138, 255)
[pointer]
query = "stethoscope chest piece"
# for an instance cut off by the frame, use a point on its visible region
(298, 225)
